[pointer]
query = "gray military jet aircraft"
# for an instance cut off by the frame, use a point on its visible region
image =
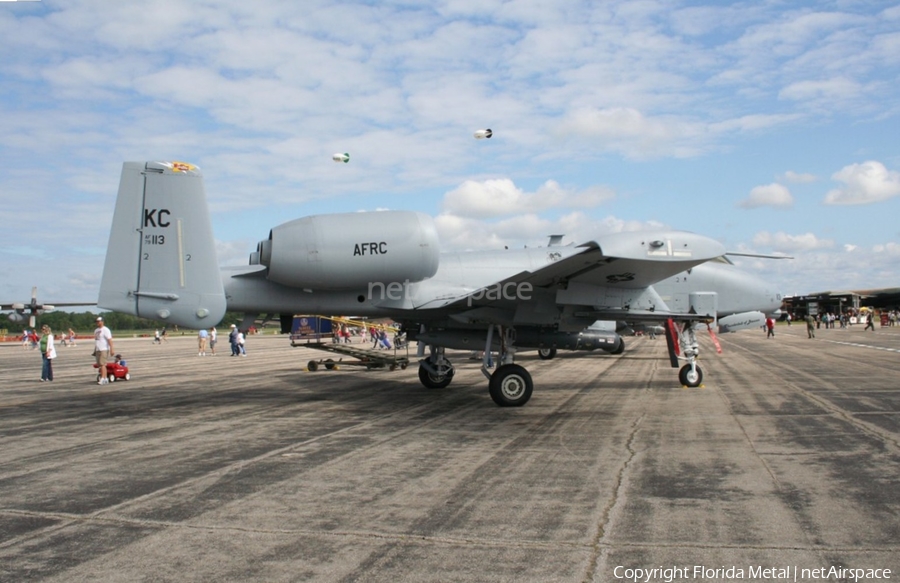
(161, 263)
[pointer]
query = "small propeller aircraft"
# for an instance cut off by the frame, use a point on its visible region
(161, 264)
(34, 309)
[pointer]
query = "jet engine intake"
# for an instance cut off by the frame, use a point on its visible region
(351, 250)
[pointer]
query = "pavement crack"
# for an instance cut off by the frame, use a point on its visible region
(599, 546)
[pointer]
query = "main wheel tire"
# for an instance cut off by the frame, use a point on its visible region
(547, 353)
(511, 385)
(690, 377)
(312, 366)
(329, 364)
(431, 381)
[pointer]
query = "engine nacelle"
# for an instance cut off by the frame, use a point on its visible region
(351, 250)
(741, 321)
(16, 317)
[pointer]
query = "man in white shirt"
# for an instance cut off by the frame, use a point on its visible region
(103, 347)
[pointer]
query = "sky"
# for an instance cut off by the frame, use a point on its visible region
(773, 126)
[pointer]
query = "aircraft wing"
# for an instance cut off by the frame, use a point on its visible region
(48, 305)
(607, 278)
(33, 308)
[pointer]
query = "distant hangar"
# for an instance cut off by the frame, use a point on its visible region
(840, 301)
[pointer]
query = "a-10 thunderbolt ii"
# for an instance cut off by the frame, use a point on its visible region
(161, 264)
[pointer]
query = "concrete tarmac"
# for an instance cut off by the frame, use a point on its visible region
(223, 468)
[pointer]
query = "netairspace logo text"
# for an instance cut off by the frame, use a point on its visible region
(786, 573)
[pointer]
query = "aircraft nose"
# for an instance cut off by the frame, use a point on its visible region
(778, 304)
(765, 294)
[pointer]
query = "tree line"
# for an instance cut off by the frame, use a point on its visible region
(85, 322)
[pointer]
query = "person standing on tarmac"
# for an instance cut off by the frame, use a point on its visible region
(233, 340)
(810, 326)
(202, 340)
(870, 322)
(48, 353)
(103, 347)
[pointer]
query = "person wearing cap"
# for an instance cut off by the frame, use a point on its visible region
(103, 347)
(233, 340)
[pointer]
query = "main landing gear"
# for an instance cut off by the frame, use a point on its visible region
(510, 385)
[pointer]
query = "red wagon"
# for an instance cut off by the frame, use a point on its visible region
(114, 370)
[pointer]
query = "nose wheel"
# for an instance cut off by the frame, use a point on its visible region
(683, 346)
(690, 376)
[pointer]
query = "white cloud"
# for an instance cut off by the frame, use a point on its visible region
(864, 184)
(634, 134)
(798, 177)
(466, 233)
(774, 195)
(786, 243)
(890, 249)
(830, 90)
(753, 123)
(821, 267)
(498, 197)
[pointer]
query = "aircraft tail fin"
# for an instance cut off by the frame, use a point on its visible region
(161, 258)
